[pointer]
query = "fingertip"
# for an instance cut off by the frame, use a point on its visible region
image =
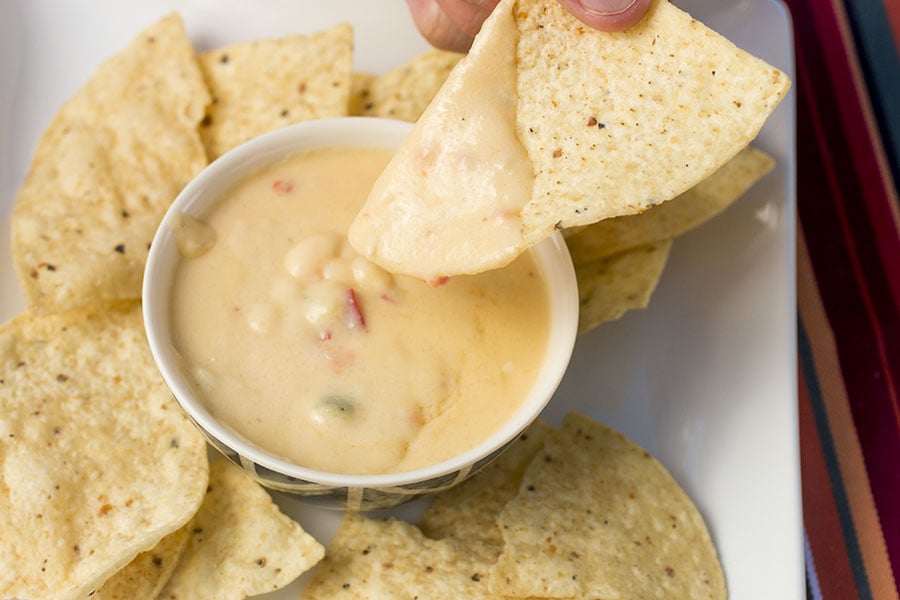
(608, 15)
(436, 26)
(455, 41)
(468, 15)
(453, 29)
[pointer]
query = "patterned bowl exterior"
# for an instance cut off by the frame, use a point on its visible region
(348, 498)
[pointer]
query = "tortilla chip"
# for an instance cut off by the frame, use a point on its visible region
(406, 91)
(610, 123)
(669, 103)
(468, 512)
(392, 559)
(360, 86)
(98, 461)
(241, 544)
(609, 287)
(598, 517)
(266, 84)
(692, 208)
(145, 576)
(106, 169)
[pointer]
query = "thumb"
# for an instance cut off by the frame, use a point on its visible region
(607, 15)
(437, 27)
(450, 24)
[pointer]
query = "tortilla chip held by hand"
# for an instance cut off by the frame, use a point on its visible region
(548, 124)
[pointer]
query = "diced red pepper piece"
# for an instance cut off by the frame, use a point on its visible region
(355, 317)
(282, 186)
(438, 281)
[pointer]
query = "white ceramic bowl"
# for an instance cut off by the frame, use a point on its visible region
(354, 492)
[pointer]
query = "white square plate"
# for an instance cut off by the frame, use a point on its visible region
(704, 378)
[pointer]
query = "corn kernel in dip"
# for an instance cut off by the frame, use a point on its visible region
(314, 353)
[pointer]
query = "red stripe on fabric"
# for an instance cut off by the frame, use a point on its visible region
(833, 395)
(839, 63)
(867, 367)
(848, 105)
(836, 180)
(862, 363)
(892, 8)
(855, 227)
(820, 516)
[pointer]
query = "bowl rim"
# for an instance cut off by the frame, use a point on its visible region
(551, 254)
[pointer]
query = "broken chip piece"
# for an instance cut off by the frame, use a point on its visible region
(240, 543)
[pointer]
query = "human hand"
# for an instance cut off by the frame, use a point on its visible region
(452, 24)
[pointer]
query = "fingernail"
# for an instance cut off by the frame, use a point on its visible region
(606, 7)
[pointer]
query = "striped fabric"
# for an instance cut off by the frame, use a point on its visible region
(848, 283)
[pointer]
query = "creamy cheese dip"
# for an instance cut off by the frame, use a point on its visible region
(461, 170)
(318, 355)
